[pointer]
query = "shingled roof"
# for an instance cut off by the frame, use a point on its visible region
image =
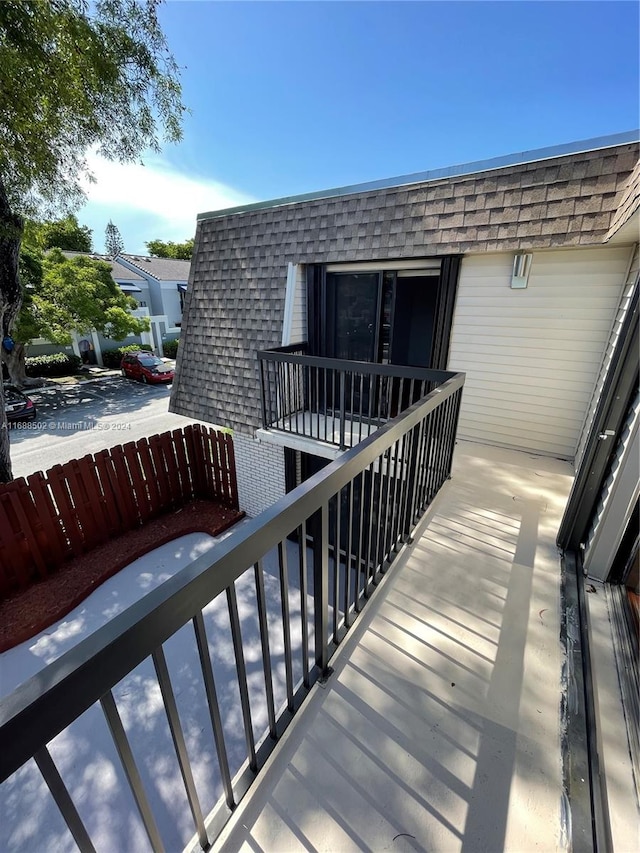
(118, 272)
(548, 201)
(628, 204)
(236, 301)
(162, 269)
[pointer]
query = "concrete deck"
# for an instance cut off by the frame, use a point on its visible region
(439, 729)
(316, 433)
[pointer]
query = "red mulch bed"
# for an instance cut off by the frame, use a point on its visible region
(31, 610)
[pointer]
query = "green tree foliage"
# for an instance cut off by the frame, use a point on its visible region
(78, 294)
(66, 234)
(113, 242)
(74, 76)
(162, 249)
(27, 326)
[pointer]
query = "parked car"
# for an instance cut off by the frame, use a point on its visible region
(18, 406)
(146, 367)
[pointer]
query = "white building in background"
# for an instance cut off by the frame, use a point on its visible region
(157, 284)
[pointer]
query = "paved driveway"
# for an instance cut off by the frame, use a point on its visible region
(82, 418)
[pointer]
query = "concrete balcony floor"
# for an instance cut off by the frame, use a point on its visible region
(440, 727)
(317, 433)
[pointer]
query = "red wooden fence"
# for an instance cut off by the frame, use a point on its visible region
(49, 518)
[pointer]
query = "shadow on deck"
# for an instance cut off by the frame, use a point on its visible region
(440, 727)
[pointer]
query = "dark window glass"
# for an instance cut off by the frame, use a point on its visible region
(355, 312)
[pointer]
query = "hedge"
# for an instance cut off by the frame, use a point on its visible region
(113, 357)
(56, 364)
(170, 348)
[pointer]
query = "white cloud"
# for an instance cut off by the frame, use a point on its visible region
(150, 201)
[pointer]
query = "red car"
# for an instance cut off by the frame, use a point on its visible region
(146, 367)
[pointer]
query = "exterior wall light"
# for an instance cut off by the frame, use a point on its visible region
(521, 270)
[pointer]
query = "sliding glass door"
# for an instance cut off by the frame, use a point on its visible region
(399, 316)
(352, 315)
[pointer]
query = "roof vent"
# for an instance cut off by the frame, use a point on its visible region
(521, 270)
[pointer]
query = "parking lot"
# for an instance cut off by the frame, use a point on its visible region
(75, 419)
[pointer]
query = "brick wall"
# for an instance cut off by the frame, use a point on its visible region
(260, 473)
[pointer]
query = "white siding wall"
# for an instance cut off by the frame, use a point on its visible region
(621, 313)
(532, 356)
(299, 322)
(171, 302)
(260, 472)
(295, 310)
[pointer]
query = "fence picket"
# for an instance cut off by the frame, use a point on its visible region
(165, 441)
(193, 456)
(57, 545)
(160, 465)
(66, 510)
(208, 457)
(150, 476)
(30, 524)
(78, 498)
(88, 501)
(139, 490)
(25, 533)
(116, 518)
(216, 449)
(123, 488)
(179, 443)
(16, 565)
(48, 519)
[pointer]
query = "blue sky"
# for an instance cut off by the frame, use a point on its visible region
(291, 97)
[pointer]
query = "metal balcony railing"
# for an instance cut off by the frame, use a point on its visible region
(344, 528)
(336, 401)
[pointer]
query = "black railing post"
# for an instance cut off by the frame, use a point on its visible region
(321, 587)
(390, 479)
(454, 431)
(264, 396)
(342, 410)
(412, 477)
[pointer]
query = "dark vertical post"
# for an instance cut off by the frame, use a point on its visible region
(336, 566)
(263, 395)
(386, 468)
(333, 405)
(286, 620)
(347, 557)
(214, 708)
(321, 589)
(304, 610)
(342, 409)
(236, 636)
(264, 644)
(358, 603)
(454, 430)
(411, 472)
(361, 375)
(63, 800)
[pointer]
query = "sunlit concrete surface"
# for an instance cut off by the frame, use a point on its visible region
(440, 728)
